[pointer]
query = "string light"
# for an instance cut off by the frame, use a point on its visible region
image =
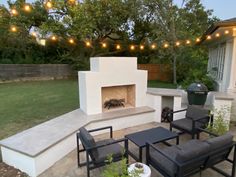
(132, 47)
(177, 43)
(166, 45)
(141, 47)
(88, 44)
(153, 46)
(34, 34)
(49, 5)
(188, 42)
(104, 45)
(118, 47)
(217, 34)
(208, 37)
(13, 29)
(234, 29)
(27, 8)
(71, 1)
(226, 31)
(14, 12)
(54, 38)
(198, 40)
(71, 41)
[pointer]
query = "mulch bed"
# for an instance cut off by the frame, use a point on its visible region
(8, 171)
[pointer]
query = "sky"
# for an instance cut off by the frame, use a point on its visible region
(223, 9)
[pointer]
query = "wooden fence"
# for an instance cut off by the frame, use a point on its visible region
(161, 72)
(23, 72)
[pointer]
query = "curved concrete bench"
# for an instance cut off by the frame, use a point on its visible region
(38, 148)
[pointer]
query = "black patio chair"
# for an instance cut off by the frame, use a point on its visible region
(97, 153)
(196, 118)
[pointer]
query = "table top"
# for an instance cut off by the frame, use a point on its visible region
(153, 135)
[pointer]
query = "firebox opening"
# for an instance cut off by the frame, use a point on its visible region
(118, 97)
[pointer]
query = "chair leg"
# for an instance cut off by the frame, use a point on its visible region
(234, 163)
(87, 164)
(126, 152)
(88, 172)
(198, 135)
(193, 135)
(78, 155)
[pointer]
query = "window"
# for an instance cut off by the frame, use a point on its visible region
(216, 62)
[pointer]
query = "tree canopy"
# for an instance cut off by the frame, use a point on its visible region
(126, 22)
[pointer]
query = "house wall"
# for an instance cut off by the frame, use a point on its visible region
(222, 55)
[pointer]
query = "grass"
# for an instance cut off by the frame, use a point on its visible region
(26, 104)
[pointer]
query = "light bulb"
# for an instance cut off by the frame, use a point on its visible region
(118, 47)
(27, 8)
(141, 47)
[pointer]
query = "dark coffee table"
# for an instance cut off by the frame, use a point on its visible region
(154, 135)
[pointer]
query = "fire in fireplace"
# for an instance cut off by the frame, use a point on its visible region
(114, 103)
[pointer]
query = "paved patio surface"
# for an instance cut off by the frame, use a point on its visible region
(67, 167)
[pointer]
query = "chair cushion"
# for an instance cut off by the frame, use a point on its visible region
(220, 141)
(116, 150)
(88, 141)
(186, 124)
(168, 166)
(192, 149)
(196, 112)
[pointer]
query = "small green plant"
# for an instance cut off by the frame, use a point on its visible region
(118, 169)
(220, 126)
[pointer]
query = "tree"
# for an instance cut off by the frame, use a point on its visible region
(173, 23)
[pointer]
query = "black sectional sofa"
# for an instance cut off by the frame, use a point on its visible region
(192, 157)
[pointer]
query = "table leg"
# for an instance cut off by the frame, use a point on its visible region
(177, 140)
(140, 154)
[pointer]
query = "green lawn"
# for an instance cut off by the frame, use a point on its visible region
(26, 104)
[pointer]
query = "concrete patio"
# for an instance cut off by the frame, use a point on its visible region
(67, 167)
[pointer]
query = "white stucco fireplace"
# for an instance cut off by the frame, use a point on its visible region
(112, 78)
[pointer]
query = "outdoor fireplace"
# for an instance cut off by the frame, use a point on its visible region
(112, 78)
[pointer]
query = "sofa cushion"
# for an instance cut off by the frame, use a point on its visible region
(220, 141)
(164, 163)
(114, 150)
(192, 149)
(186, 124)
(196, 112)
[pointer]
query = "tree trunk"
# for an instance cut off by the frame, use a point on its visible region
(173, 40)
(174, 69)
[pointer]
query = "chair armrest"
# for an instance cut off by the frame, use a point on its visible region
(103, 128)
(173, 112)
(208, 132)
(125, 140)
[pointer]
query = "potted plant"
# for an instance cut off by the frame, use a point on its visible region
(138, 167)
(120, 169)
(220, 126)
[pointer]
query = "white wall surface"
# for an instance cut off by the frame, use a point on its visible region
(110, 71)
